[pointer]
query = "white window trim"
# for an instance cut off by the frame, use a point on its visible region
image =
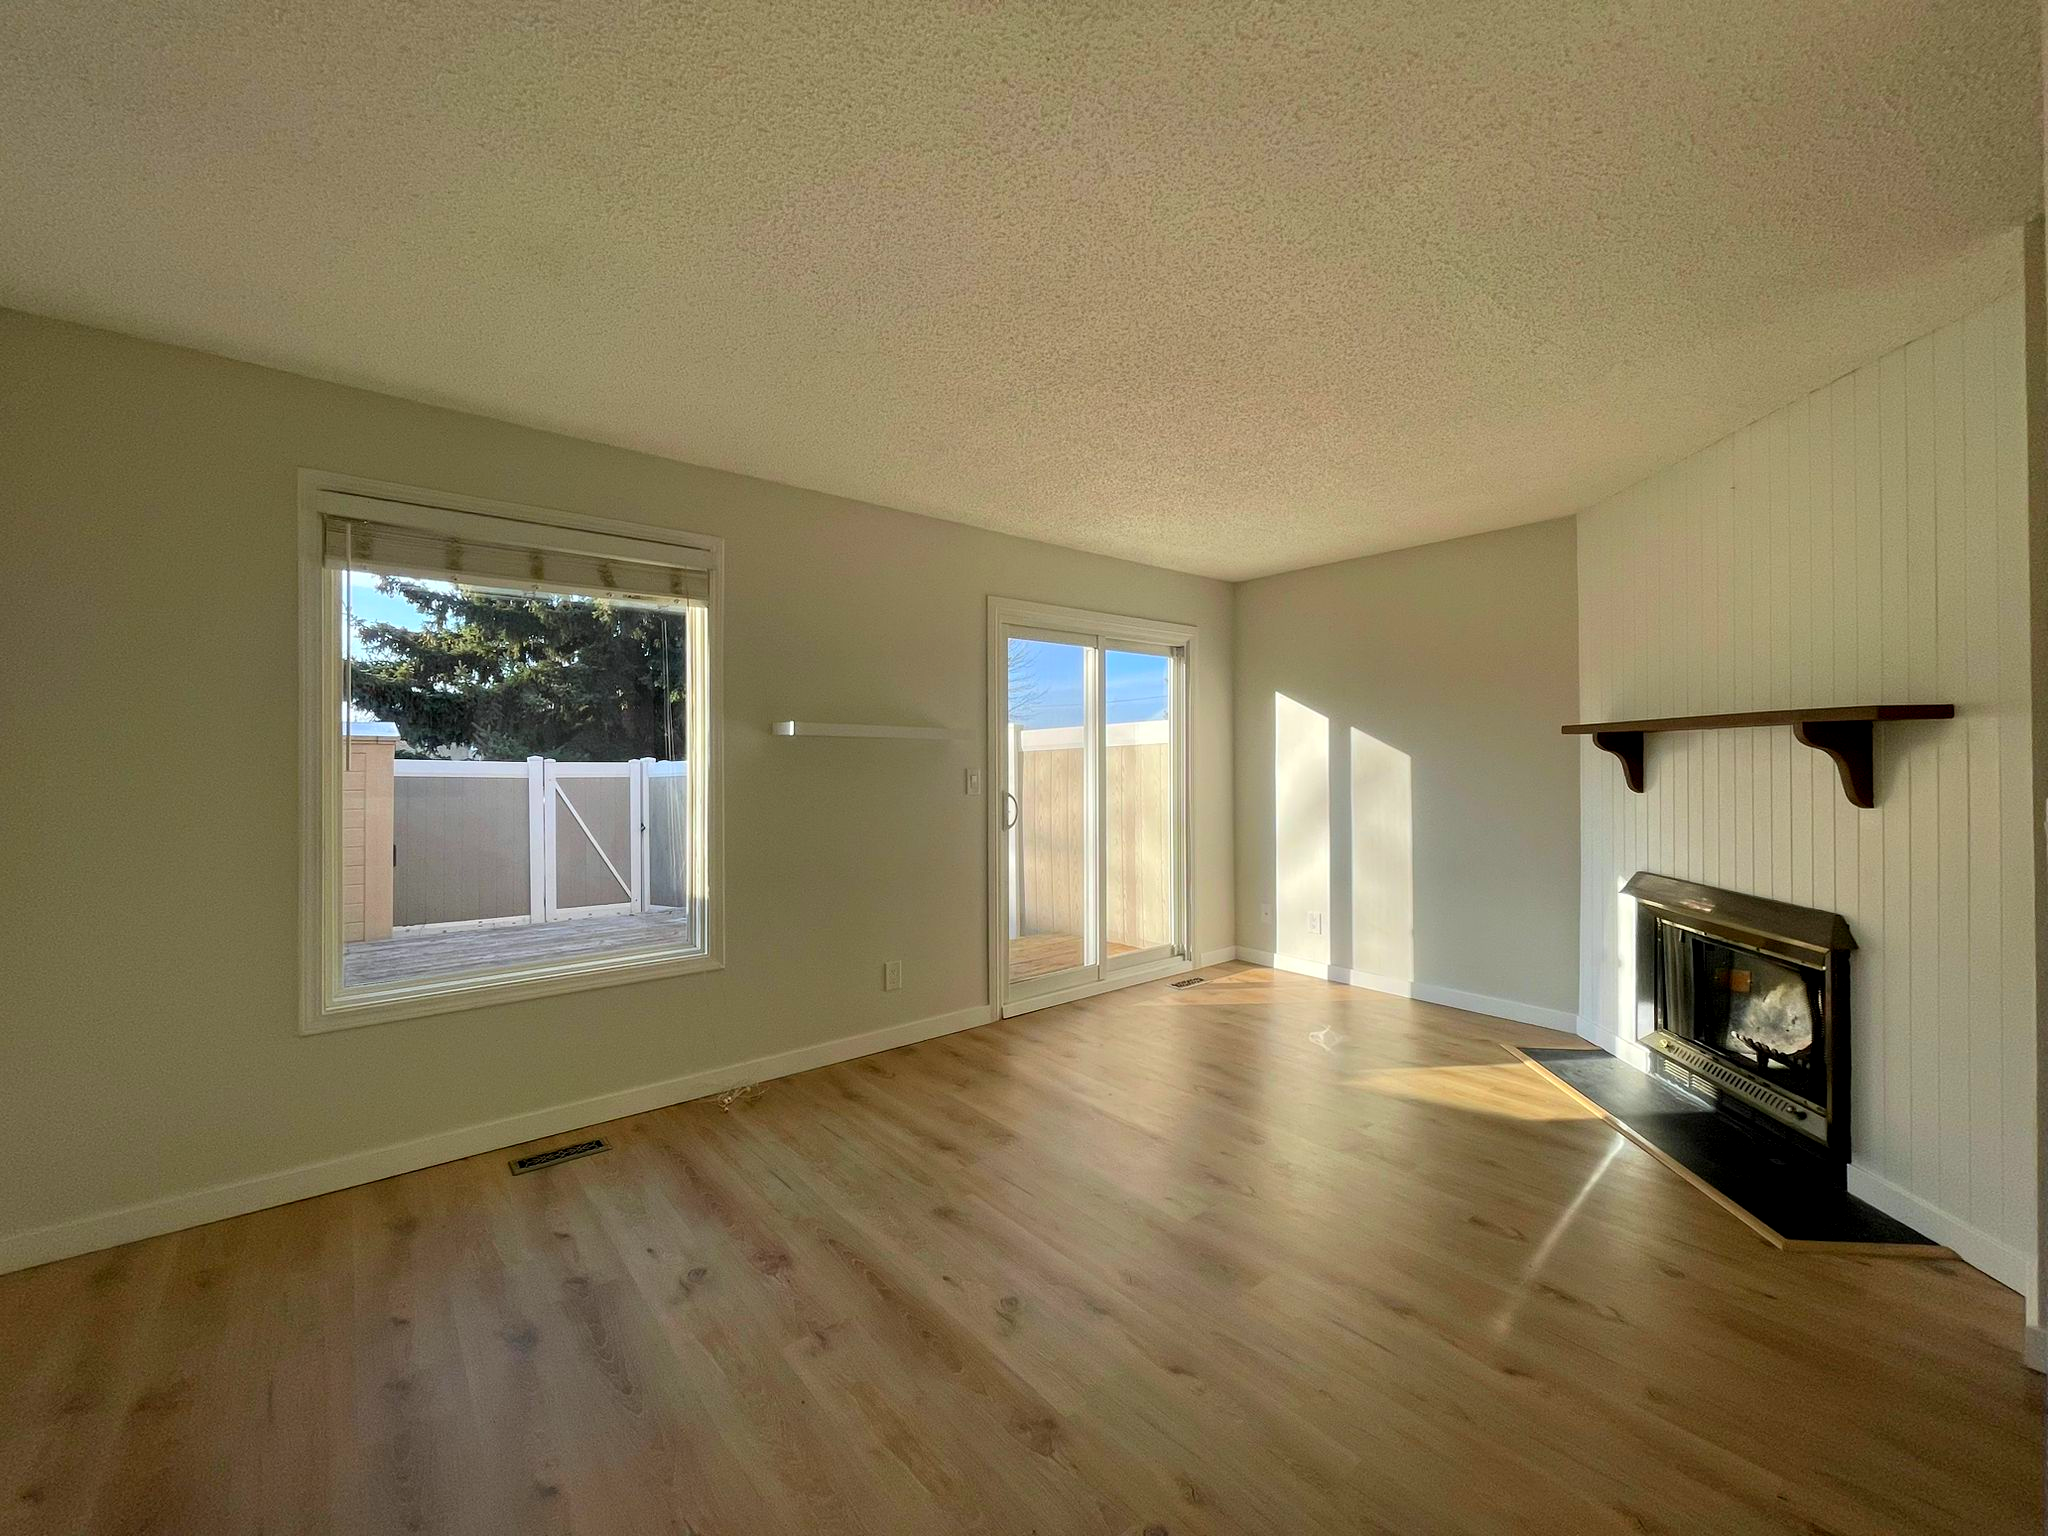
(321, 1009)
(1115, 630)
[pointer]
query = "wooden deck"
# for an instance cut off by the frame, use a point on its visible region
(1040, 954)
(414, 956)
(1266, 1257)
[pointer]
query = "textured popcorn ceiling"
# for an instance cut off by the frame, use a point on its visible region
(1226, 287)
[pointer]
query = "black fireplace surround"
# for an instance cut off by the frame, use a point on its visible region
(1745, 1002)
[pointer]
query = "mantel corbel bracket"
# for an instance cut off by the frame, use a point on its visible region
(1849, 743)
(1627, 746)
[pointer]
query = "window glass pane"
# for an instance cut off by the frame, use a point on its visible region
(1138, 816)
(516, 787)
(1047, 779)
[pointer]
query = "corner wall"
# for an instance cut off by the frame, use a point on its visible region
(1406, 807)
(148, 991)
(1866, 544)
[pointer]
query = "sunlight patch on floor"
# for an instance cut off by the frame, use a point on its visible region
(1509, 1091)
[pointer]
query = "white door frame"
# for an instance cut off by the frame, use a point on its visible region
(1104, 630)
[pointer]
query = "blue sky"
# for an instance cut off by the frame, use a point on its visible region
(1134, 687)
(373, 607)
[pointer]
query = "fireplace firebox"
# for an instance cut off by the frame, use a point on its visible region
(1744, 1002)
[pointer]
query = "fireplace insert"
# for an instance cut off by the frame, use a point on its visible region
(1745, 1002)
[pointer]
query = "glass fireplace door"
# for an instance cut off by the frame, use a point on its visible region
(1756, 1012)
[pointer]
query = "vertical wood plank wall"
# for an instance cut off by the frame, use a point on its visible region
(1866, 544)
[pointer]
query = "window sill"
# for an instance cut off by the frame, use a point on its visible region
(387, 1005)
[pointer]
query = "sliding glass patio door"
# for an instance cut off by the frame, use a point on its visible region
(1049, 808)
(1090, 748)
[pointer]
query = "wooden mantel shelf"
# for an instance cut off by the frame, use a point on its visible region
(1844, 733)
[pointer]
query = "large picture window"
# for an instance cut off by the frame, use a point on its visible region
(508, 730)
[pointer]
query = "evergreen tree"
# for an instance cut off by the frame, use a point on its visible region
(515, 676)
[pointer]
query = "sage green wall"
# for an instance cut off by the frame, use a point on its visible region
(148, 723)
(1415, 790)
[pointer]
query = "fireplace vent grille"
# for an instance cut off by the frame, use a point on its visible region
(1741, 1084)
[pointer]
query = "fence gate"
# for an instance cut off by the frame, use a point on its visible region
(476, 843)
(591, 821)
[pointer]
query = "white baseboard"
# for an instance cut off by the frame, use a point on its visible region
(1216, 957)
(1498, 1007)
(1976, 1247)
(172, 1213)
(1421, 991)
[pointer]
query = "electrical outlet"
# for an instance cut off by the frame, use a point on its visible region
(892, 975)
(974, 781)
(1315, 922)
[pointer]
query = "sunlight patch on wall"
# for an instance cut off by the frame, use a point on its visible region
(1382, 859)
(1301, 830)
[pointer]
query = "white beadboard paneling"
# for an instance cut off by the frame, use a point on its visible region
(1867, 544)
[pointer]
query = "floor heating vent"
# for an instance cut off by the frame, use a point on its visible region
(1192, 981)
(533, 1162)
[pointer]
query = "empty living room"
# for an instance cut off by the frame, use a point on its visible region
(1048, 769)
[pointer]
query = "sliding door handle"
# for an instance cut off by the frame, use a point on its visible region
(1011, 810)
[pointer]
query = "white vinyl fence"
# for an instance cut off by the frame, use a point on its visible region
(536, 841)
(1048, 876)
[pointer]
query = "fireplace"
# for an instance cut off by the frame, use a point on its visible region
(1744, 1002)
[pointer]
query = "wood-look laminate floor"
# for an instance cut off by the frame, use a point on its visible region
(1265, 1255)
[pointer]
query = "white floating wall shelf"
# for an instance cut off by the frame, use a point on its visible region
(893, 732)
